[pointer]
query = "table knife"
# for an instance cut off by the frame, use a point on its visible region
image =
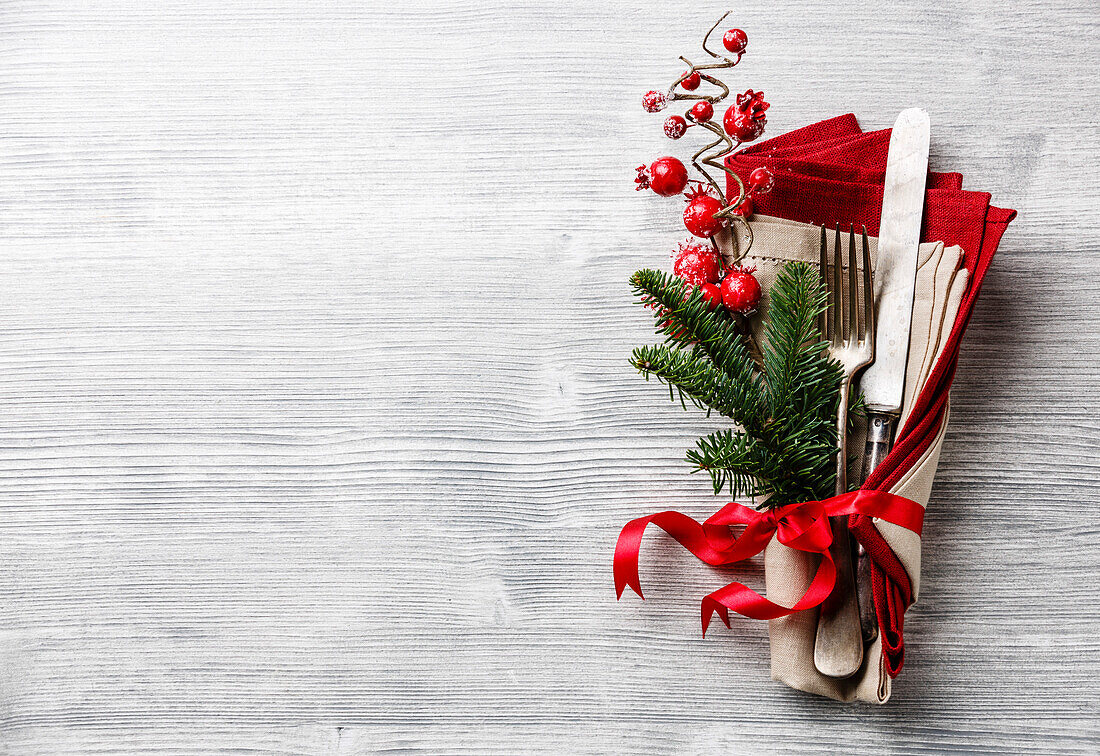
(883, 383)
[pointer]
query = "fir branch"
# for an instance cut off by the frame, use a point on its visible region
(695, 376)
(802, 387)
(688, 323)
(798, 373)
(731, 459)
(684, 317)
(786, 447)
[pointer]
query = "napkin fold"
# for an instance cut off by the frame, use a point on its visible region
(940, 284)
(832, 172)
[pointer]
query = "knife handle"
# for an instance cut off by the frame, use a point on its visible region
(880, 439)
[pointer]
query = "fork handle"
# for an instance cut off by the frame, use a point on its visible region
(880, 439)
(838, 647)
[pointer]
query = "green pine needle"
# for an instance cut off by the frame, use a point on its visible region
(785, 446)
(698, 339)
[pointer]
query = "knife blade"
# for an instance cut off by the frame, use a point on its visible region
(883, 383)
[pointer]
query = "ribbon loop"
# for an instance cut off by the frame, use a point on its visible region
(803, 526)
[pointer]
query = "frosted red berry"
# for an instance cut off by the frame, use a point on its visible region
(699, 214)
(691, 83)
(741, 127)
(762, 180)
(735, 41)
(666, 176)
(697, 264)
(745, 121)
(701, 111)
(675, 126)
(712, 294)
(654, 101)
(740, 291)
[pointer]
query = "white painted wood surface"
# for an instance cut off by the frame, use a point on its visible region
(317, 427)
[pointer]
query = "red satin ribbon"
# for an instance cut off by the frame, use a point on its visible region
(803, 526)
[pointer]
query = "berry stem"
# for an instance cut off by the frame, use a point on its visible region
(675, 95)
(729, 61)
(718, 250)
(709, 160)
(742, 250)
(713, 155)
(695, 161)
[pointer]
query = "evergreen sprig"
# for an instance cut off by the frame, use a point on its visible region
(785, 446)
(704, 354)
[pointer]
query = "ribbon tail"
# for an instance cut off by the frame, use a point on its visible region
(803, 526)
(710, 543)
(708, 609)
(743, 600)
(626, 558)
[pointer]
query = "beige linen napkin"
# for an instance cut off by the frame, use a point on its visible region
(940, 285)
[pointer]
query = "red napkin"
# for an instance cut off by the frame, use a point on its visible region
(832, 172)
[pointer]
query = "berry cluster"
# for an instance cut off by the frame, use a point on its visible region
(703, 215)
(708, 209)
(734, 287)
(744, 121)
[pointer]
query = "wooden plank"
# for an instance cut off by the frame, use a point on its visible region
(317, 425)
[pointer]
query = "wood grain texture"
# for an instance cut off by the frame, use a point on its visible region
(317, 428)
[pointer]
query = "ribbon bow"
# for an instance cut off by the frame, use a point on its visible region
(803, 526)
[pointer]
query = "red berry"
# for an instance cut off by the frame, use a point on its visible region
(654, 101)
(735, 41)
(701, 111)
(697, 264)
(691, 82)
(740, 290)
(762, 180)
(666, 176)
(745, 208)
(675, 126)
(741, 126)
(745, 121)
(712, 294)
(699, 214)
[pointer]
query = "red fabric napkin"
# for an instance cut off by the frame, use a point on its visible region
(832, 172)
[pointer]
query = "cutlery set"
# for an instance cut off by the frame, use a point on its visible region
(876, 342)
(731, 311)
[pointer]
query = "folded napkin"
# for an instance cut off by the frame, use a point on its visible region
(831, 172)
(940, 284)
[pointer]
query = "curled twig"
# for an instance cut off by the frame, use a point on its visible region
(714, 154)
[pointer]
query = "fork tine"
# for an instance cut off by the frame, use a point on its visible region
(868, 292)
(823, 318)
(854, 334)
(838, 292)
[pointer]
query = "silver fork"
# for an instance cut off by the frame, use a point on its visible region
(838, 649)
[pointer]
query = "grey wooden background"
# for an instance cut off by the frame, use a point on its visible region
(316, 429)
